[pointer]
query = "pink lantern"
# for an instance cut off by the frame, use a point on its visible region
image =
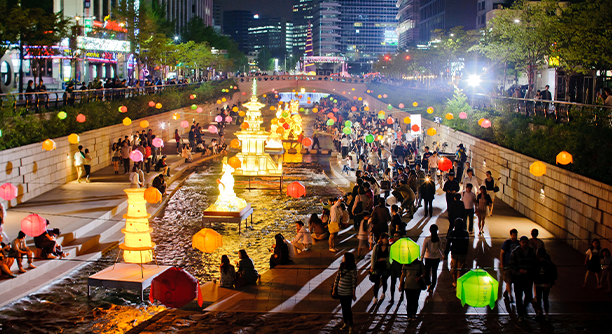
(486, 124)
(8, 191)
(158, 142)
(33, 225)
(212, 129)
(136, 156)
(219, 119)
(184, 124)
(228, 119)
(462, 115)
(401, 105)
(199, 110)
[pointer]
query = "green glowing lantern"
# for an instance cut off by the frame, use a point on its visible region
(369, 138)
(347, 130)
(284, 115)
(389, 107)
(330, 122)
(404, 251)
(477, 288)
(381, 116)
(62, 115)
(348, 124)
(301, 109)
(194, 107)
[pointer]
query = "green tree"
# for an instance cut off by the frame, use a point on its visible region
(264, 59)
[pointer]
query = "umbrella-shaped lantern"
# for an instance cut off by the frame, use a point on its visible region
(405, 251)
(207, 240)
(296, 190)
(175, 288)
(477, 288)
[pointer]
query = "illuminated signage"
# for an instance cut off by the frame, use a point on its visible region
(91, 43)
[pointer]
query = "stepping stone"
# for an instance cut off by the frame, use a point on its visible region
(304, 151)
(292, 151)
(325, 152)
(314, 151)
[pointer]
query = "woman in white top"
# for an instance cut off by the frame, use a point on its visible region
(470, 178)
(432, 254)
(135, 178)
(433, 165)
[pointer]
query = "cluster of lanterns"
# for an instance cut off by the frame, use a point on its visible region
(538, 168)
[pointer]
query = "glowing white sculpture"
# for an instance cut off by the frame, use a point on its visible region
(227, 200)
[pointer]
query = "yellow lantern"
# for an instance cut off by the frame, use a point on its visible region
(564, 158)
(242, 114)
(127, 121)
(359, 99)
(430, 110)
(158, 106)
(235, 108)
(449, 116)
(207, 240)
(137, 247)
(48, 145)
(379, 96)
(264, 95)
(176, 116)
(235, 143)
(415, 104)
(480, 121)
(234, 162)
(537, 168)
(223, 99)
(152, 195)
(144, 124)
(272, 108)
(366, 108)
(274, 121)
(218, 101)
(431, 132)
(73, 138)
(315, 110)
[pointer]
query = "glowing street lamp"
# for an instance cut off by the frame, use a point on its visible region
(474, 80)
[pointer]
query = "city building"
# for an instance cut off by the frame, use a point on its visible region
(267, 32)
(217, 16)
(288, 34)
(326, 27)
(408, 23)
(182, 11)
(441, 14)
(236, 24)
(302, 16)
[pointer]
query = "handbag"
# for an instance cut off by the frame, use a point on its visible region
(373, 277)
(495, 189)
(334, 290)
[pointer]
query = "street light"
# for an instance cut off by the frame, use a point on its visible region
(474, 80)
(517, 21)
(176, 38)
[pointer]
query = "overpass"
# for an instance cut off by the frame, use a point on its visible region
(319, 83)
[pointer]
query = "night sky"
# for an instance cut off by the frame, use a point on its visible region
(270, 8)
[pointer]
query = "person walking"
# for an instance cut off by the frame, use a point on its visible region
(433, 166)
(483, 201)
(458, 243)
(592, 261)
(523, 263)
(380, 265)
(504, 260)
(489, 184)
(335, 217)
(546, 275)
(428, 192)
(431, 253)
(177, 138)
(79, 160)
(345, 286)
(87, 164)
(412, 274)
(116, 157)
(469, 205)
(126, 150)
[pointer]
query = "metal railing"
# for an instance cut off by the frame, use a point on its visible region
(322, 78)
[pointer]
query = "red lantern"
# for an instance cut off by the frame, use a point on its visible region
(175, 288)
(151, 104)
(34, 225)
(80, 118)
(296, 190)
(390, 120)
(330, 115)
(286, 126)
(123, 109)
(354, 97)
(8, 192)
(415, 128)
(306, 141)
(353, 108)
(445, 164)
(243, 93)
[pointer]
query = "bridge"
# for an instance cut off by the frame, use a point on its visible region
(319, 83)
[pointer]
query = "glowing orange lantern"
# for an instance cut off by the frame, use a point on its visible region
(407, 120)
(244, 125)
(123, 109)
(431, 132)
(33, 225)
(296, 190)
(445, 164)
(8, 191)
(151, 104)
(480, 121)
(144, 124)
(158, 106)
(537, 168)
(272, 108)
(48, 145)
(390, 120)
(81, 118)
(353, 108)
(73, 138)
(415, 104)
(152, 195)
(306, 142)
(315, 110)
(207, 240)
(234, 162)
(564, 158)
(175, 288)
(235, 109)
(280, 130)
(235, 143)
(242, 114)
(449, 116)
(127, 121)
(366, 108)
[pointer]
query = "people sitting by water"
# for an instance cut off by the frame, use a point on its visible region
(162, 166)
(159, 183)
(228, 273)
(135, 180)
(19, 249)
(246, 273)
(303, 239)
(5, 261)
(317, 228)
(349, 165)
(186, 153)
(47, 242)
(280, 252)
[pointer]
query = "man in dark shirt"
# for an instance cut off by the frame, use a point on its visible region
(398, 226)
(458, 243)
(451, 187)
(523, 263)
(425, 159)
(456, 210)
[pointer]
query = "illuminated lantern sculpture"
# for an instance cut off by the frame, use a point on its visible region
(564, 158)
(158, 106)
(151, 104)
(152, 195)
(286, 126)
(48, 145)
(136, 156)
(407, 120)
(62, 115)
(401, 105)
(415, 128)
(73, 138)
(449, 116)
(33, 225)
(194, 107)
(369, 138)
(445, 164)
(176, 116)
(462, 115)
(244, 125)
(212, 129)
(431, 132)
(235, 143)
(486, 123)
(137, 246)
(242, 114)
(144, 124)
(537, 168)
(296, 190)
(234, 162)
(219, 119)
(175, 288)
(404, 251)
(430, 110)
(184, 124)
(390, 120)
(207, 240)
(127, 121)
(158, 142)
(477, 288)
(81, 118)
(8, 191)
(228, 119)
(480, 121)
(123, 109)
(281, 130)
(306, 142)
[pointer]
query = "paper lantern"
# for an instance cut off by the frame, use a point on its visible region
(486, 123)
(369, 138)
(199, 110)
(176, 116)
(137, 246)
(228, 119)
(315, 110)
(404, 251)
(213, 129)
(348, 124)
(73, 138)
(207, 240)
(366, 108)
(244, 125)
(242, 114)
(136, 156)
(480, 121)
(430, 110)
(280, 130)
(158, 142)
(306, 142)
(192, 96)
(81, 118)
(264, 95)
(144, 124)
(219, 119)
(343, 92)
(158, 106)
(235, 109)
(286, 126)
(152, 195)
(347, 131)
(415, 104)
(284, 115)
(223, 99)
(380, 137)
(62, 115)
(151, 104)
(449, 116)
(390, 120)
(330, 122)
(354, 97)
(296, 190)
(462, 115)
(243, 93)
(274, 121)
(477, 288)
(33, 225)
(127, 121)
(385, 96)
(218, 101)
(48, 145)
(407, 120)
(379, 96)
(445, 164)
(123, 109)
(389, 107)
(431, 132)
(8, 191)
(381, 116)
(415, 128)
(537, 168)
(234, 162)
(184, 124)
(353, 108)
(235, 143)
(564, 158)
(401, 105)
(194, 107)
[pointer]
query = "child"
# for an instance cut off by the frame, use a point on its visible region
(592, 261)
(362, 236)
(606, 264)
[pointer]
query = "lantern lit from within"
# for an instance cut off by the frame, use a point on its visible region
(184, 124)
(477, 288)
(431, 132)
(8, 191)
(296, 190)
(62, 115)
(389, 107)
(462, 115)
(235, 143)
(33, 225)
(430, 110)
(218, 118)
(175, 288)
(330, 122)
(152, 195)
(385, 96)
(401, 105)
(564, 158)
(199, 110)
(244, 125)
(176, 116)
(480, 121)
(228, 119)
(537, 168)
(158, 142)
(234, 162)
(158, 106)
(144, 124)
(415, 128)
(369, 138)
(445, 164)
(151, 104)
(306, 142)
(242, 114)
(136, 156)
(194, 107)
(449, 116)
(73, 138)
(212, 129)
(123, 109)
(404, 251)
(407, 120)
(415, 104)
(486, 124)
(227, 200)
(48, 145)
(137, 246)
(207, 240)
(127, 121)
(390, 120)
(81, 118)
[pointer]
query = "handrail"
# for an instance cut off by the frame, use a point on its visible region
(296, 77)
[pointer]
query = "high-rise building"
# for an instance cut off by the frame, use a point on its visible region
(236, 24)
(217, 15)
(302, 16)
(408, 23)
(288, 36)
(326, 28)
(442, 14)
(182, 11)
(267, 32)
